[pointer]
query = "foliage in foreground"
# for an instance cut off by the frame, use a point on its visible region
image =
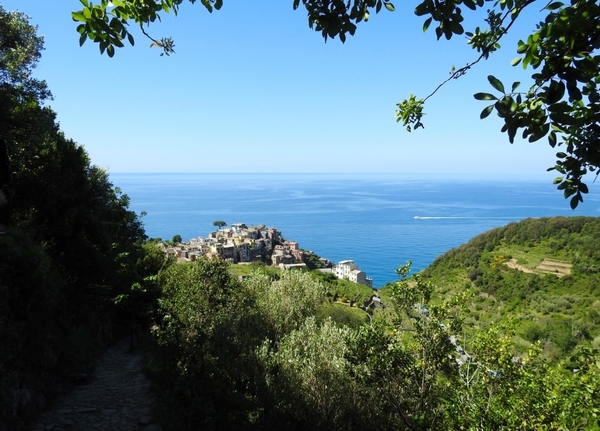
(252, 355)
(561, 104)
(74, 266)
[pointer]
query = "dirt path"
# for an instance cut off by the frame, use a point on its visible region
(513, 264)
(117, 398)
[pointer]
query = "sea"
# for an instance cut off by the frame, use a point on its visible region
(380, 221)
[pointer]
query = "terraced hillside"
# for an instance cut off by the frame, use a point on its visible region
(539, 274)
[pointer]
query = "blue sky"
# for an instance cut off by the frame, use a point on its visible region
(252, 89)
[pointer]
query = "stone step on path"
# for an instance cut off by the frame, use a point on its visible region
(117, 398)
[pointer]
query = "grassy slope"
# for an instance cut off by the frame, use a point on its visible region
(559, 311)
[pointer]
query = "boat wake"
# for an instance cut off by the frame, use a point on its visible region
(451, 217)
(436, 217)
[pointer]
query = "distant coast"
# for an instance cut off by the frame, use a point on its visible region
(243, 244)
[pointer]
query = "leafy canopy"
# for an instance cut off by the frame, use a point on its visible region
(561, 105)
(20, 50)
(219, 223)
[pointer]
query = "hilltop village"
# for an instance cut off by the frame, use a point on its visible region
(242, 244)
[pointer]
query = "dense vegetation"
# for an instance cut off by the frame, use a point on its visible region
(74, 261)
(270, 352)
(278, 350)
(257, 354)
(542, 274)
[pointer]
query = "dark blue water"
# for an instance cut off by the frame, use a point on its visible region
(367, 218)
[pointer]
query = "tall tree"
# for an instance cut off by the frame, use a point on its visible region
(20, 49)
(5, 182)
(561, 105)
(74, 248)
(219, 224)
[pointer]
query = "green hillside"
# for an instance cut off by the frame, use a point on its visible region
(539, 274)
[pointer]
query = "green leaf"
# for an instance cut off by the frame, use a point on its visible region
(470, 4)
(78, 16)
(555, 92)
(456, 28)
(426, 24)
(389, 6)
(574, 92)
(515, 85)
(424, 8)
(516, 61)
(484, 96)
(207, 4)
(496, 83)
(559, 107)
(486, 112)
(557, 180)
(554, 6)
(569, 191)
(575, 201)
(562, 118)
